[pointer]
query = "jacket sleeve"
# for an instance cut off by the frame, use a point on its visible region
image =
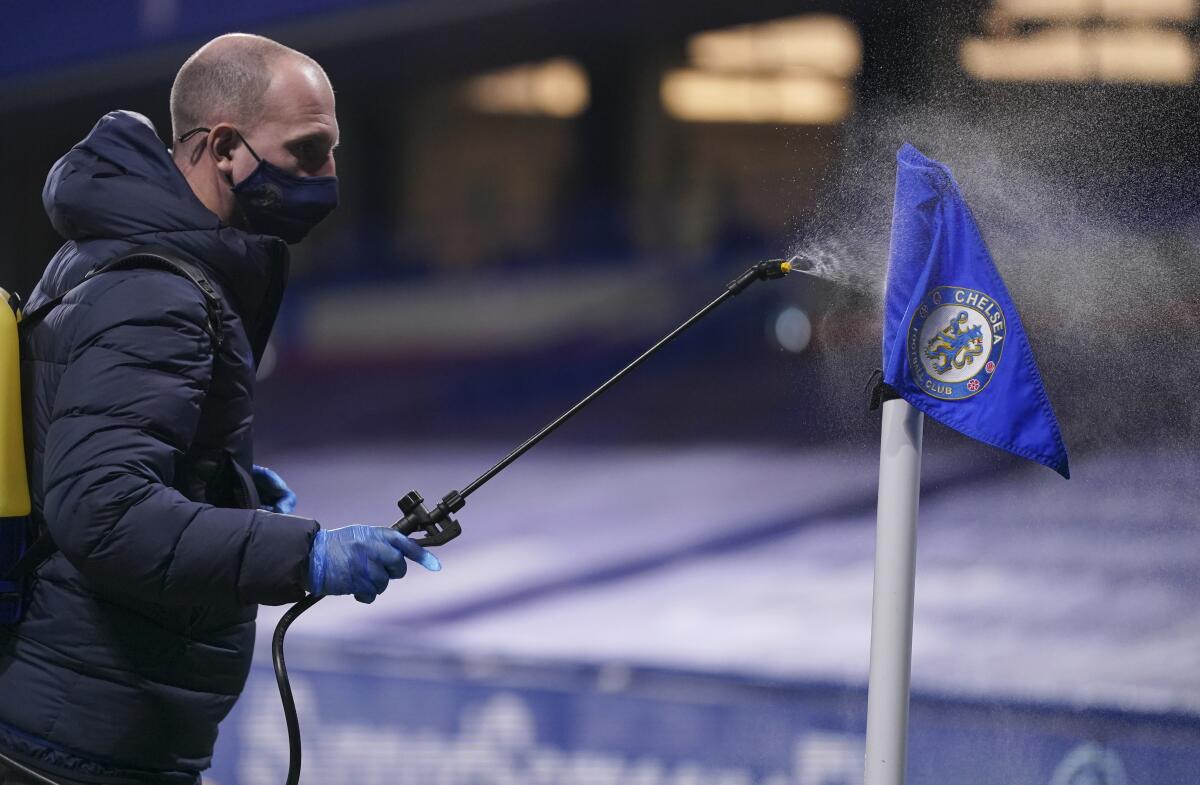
(126, 409)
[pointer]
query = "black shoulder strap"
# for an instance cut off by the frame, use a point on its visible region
(34, 556)
(143, 256)
(163, 258)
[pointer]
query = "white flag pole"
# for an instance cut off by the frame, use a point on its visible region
(892, 605)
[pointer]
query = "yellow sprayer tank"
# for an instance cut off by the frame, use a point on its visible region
(14, 483)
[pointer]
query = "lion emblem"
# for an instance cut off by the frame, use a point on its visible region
(956, 345)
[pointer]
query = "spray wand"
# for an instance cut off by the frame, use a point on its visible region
(438, 526)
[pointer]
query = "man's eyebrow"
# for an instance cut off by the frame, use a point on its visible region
(321, 137)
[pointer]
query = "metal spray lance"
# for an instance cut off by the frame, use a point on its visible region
(438, 525)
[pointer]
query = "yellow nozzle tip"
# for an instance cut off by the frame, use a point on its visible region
(786, 267)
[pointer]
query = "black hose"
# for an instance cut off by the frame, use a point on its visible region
(285, 686)
(15, 766)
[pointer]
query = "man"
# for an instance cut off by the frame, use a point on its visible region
(138, 634)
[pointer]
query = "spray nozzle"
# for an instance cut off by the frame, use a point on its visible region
(773, 268)
(769, 270)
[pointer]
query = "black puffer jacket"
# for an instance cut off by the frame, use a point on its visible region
(139, 633)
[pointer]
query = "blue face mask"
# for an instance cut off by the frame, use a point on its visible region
(280, 204)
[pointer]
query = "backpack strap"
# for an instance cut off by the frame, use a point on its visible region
(152, 256)
(167, 259)
(34, 556)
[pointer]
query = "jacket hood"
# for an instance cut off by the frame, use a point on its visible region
(120, 184)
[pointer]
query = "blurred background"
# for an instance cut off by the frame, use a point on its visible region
(676, 587)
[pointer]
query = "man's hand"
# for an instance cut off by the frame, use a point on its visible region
(273, 491)
(360, 560)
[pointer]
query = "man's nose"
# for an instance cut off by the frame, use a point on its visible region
(328, 168)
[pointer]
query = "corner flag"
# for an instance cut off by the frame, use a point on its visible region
(953, 345)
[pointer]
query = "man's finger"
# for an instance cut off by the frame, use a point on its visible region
(366, 599)
(286, 504)
(378, 577)
(414, 552)
(396, 567)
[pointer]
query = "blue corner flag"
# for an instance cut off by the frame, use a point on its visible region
(953, 345)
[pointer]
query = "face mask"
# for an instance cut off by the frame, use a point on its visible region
(280, 204)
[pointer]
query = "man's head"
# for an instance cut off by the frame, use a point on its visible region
(256, 99)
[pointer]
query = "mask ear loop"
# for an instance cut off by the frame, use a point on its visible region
(248, 147)
(182, 138)
(191, 133)
(201, 130)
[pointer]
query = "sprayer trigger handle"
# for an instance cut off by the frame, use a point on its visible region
(439, 533)
(435, 532)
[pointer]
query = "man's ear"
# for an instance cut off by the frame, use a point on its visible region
(223, 139)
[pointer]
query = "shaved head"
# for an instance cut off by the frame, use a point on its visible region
(250, 100)
(226, 80)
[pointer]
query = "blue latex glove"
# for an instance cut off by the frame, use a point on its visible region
(273, 491)
(360, 560)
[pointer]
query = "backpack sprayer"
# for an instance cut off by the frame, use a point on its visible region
(437, 526)
(14, 481)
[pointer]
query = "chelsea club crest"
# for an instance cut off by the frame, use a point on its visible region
(955, 340)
